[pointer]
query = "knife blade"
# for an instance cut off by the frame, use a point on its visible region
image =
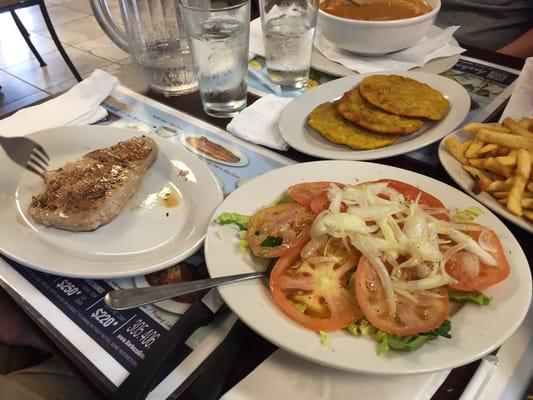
(142, 379)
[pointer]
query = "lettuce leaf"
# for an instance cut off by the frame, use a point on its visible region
(468, 214)
(472, 297)
(272, 241)
(233, 218)
(387, 341)
(360, 328)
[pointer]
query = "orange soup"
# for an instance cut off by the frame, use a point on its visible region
(375, 10)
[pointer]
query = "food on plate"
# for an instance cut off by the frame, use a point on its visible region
(329, 123)
(375, 10)
(212, 149)
(499, 158)
(88, 193)
(404, 96)
(356, 109)
(182, 272)
(381, 258)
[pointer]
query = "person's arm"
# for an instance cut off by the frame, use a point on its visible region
(521, 47)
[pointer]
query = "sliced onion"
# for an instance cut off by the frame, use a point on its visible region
(468, 227)
(452, 251)
(407, 295)
(486, 241)
(311, 247)
(469, 263)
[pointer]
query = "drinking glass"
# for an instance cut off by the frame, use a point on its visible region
(219, 32)
(288, 34)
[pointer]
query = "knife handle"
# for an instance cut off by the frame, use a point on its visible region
(141, 380)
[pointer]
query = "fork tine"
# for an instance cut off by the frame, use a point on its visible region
(36, 164)
(29, 167)
(39, 157)
(40, 148)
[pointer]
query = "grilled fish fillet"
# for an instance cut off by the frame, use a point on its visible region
(88, 193)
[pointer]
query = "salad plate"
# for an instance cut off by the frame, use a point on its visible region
(299, 135)
(474, 332)
(148, 234)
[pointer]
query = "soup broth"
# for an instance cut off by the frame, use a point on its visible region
(376, 10)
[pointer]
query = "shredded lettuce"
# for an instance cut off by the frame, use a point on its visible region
(324, 338)
(243, 244)
(471, 297)
(387, 341)
(360, 328)
(468, 214)
(272, 241)
(227, 218)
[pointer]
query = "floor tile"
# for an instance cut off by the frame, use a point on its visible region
(103, 47)
(14, 49)
(13, 88)
(23, 102)
(83, 6)
(76, 31)
(32, 18)
(57, 70)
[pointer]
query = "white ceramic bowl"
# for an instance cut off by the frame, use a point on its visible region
(376, 37)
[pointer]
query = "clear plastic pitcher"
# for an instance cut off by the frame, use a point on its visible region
(156, 38)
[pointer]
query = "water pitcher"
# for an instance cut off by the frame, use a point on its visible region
(156, 38)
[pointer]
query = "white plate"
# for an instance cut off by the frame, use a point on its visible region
(169, 305)
(463, 179)
(436, 66)
(296, 132)
(138, 241)
(243, 160)
(476, 331)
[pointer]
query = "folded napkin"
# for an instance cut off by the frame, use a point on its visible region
(285, 376)
(424, 51)
(78, 106)
(258, 123)
(521, 101)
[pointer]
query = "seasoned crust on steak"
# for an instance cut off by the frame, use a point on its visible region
(91, 191)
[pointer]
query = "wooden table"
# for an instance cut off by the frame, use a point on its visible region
(244, 350)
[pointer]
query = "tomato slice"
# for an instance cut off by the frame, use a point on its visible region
(319, 287)
(410, 318)
(487, 275)
(304, 193)
(284, 223)
(411, 192)
(319, 203)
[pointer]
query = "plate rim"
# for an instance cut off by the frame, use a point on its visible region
(412, 371)
(495, 207)
(150, 267)
(294, 139)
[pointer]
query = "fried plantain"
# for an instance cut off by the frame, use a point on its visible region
(356, 109)
(329, 123)
(404, 96)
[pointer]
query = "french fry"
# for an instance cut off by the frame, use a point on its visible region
(501, 195)
(523, 170)
(456, 149)
(473, 127)
(488, 148)
(493, 165)
(472, 150)
(478, 175)
(530, 186)
(529, 215)
(526, 123)
(477, 162)
(516, 128)
(499, 186)
(504, 139)
(527, 203)
(506, 161)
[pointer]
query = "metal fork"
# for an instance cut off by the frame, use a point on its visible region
(26, 153)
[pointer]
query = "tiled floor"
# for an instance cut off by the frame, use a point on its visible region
(23, 81)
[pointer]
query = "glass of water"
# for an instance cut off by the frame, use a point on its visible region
(218, 32)
(288, 34)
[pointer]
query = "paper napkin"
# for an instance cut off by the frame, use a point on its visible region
(521, 101)
(78, 106)
(258, 123)
(285, 376)
(424, 51)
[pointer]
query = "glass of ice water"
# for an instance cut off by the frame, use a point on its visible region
(218, 32)
(288, 34)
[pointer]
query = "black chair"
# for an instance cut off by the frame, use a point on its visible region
(12, 5)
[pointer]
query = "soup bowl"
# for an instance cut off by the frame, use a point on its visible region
(376, 37)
